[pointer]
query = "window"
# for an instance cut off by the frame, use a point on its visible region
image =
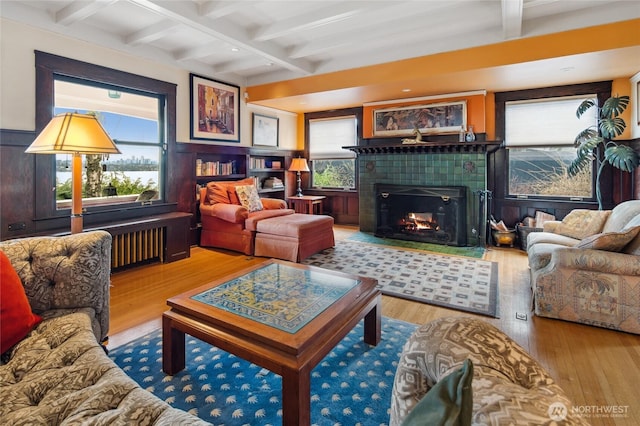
(539, 136)
(331, 165)
(133, 121)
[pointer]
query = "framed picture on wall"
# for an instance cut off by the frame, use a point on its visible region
(265, 130)
(215, 110)
(444, 117)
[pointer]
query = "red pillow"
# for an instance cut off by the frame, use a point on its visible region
(16, 318)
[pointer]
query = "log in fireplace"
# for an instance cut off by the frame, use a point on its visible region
(434, 214)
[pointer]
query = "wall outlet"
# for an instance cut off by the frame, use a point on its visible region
(521, 316)
(17, 226)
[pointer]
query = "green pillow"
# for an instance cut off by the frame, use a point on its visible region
(449, 402)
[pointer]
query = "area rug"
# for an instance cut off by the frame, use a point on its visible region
(364, 237)
(351, 386)
(455, 282)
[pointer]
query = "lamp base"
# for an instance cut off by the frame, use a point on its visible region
(299, 181)
(76, 223)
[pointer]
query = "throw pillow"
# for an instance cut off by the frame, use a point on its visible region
(217, 193)
(449, 402)
(609, 241)
(248, 196)
(16, 318)
(220, 191)
(581, 223)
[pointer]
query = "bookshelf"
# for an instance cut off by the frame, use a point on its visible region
(269, 171)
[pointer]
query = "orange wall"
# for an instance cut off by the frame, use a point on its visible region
(622, 86)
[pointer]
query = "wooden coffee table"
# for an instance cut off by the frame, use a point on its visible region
(282, 316)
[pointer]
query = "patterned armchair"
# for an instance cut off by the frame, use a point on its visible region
(586, 268)
(508, 386)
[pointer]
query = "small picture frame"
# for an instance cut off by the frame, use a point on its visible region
(265, 130)
(215, 110)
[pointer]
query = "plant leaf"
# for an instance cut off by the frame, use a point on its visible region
(622, 157)
(589, 144)
(583, 159)
(585, 106)
(612, 127)
(585, 135)
(614, 106)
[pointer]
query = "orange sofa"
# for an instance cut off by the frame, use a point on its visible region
(226, 223)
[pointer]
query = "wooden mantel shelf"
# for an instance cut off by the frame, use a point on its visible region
(426, 147)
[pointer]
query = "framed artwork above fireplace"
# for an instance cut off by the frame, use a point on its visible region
(437, 118)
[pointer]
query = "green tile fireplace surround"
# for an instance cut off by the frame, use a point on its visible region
(412, 167)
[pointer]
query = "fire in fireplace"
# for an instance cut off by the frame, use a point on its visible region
(435, 214)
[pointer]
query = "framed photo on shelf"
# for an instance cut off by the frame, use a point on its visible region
(215, 110)
(265, 130)
(443, 117)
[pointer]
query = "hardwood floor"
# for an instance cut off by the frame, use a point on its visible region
(599, 369)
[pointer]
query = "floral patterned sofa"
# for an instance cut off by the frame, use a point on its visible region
(586, 268)
(507, 386)
(54, 371)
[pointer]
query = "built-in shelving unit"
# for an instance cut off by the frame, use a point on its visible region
(268, 168)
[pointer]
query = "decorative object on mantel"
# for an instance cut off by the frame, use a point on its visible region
(299, 165)
(470, 136)
(76, 134)
(609, 126)
(417, 134)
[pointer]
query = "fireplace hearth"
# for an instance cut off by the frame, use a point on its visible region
(434, 214)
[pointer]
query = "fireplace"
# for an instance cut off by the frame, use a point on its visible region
(433, 214)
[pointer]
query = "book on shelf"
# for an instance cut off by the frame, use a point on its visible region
(273, 183)
(215, 168)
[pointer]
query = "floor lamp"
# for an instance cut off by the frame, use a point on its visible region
(299, 165)
(75, 134)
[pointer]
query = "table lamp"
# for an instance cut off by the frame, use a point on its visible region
(76, 134)
(299, 165)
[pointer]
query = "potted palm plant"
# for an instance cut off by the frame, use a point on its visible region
(609, 126)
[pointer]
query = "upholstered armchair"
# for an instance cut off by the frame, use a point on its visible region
(226, 223)
(586, 269)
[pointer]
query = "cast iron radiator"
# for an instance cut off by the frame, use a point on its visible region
(137, 246)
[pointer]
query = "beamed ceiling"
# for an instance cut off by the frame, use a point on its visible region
(252, 43)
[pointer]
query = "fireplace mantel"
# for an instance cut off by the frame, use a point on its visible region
(426, 147)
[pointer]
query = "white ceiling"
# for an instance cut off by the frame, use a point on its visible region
(252, 42)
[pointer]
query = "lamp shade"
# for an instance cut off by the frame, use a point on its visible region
(299, 165)
(75, 133)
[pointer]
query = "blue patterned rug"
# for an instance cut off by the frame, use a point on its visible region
(351, 386)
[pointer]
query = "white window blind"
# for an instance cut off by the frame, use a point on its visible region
(328, 136)
(550, 121)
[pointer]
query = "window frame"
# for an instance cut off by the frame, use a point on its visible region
(159, 144)
(602, 91)
(338, 113)
(50, 67)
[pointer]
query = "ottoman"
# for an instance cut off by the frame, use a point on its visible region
(293, 237)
